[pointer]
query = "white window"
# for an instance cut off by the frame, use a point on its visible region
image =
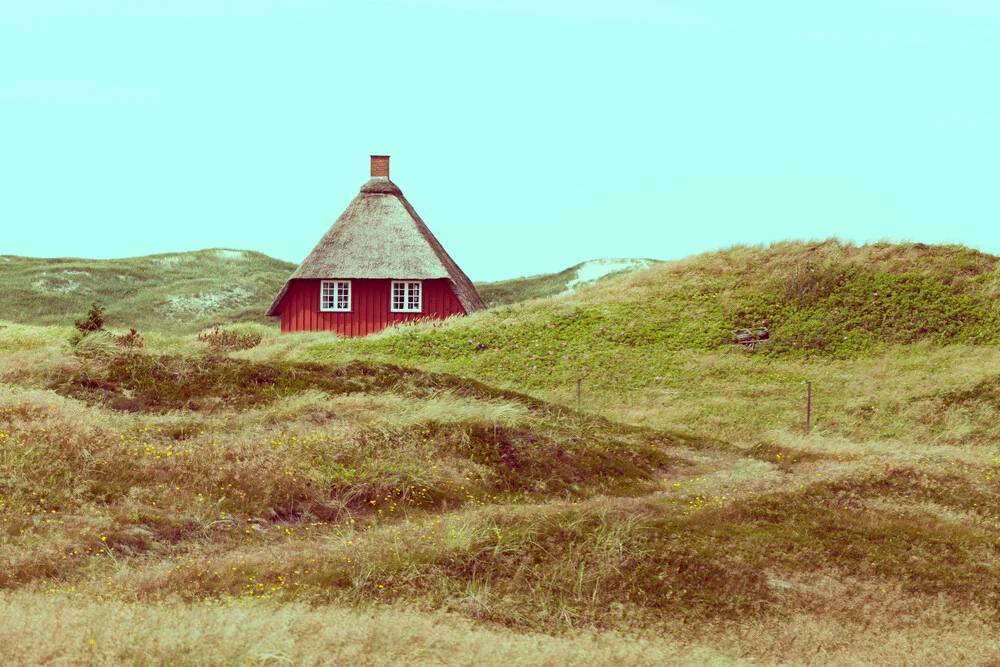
(335, 295)
(406, 297)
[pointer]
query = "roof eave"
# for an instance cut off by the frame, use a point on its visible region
(273, 310)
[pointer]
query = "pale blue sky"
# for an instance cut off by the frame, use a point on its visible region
(529, 134)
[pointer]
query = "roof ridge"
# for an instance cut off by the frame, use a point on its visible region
(381, 185)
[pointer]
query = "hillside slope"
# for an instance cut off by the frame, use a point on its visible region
(825, 300)
(185, 292)
(179, 292)
(444, 468)
(505, 292)
(213, 487)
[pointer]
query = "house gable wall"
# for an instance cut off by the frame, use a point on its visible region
(370, 306)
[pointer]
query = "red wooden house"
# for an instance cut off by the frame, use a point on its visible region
(378, 265)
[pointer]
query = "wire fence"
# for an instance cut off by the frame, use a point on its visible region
(801, 396)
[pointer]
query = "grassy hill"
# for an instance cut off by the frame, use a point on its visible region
(433, 494)
(180, 292)
(823, 299)
(190, 291)
(584, 274)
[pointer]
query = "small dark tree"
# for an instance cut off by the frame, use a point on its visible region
(94, 321)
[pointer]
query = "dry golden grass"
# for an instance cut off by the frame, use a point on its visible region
(827, 617)
(263, 632)
(66, 631)
(684, 518)
(844, 622)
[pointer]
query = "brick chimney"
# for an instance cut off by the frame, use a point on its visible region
(380, 166)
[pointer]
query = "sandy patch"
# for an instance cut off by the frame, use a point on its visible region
(173, 259)
(60, 285)
(208, 302)
(598, 268)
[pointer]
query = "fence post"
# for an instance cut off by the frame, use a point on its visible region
(578, 382)
(809, 403)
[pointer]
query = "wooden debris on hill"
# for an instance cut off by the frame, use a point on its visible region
(750, 338)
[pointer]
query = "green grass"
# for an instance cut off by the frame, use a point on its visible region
(443, 469)
(656, 334)
(183, 292)
(506, 292)
(177, 292)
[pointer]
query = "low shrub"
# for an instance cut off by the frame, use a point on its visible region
(100, 344)
(224, 340)
(133, 339)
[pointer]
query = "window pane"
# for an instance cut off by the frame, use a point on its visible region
(344, 296)
(415, 296)
(326, 295)
(398, 294)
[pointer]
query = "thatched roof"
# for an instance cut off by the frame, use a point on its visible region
(381, 236)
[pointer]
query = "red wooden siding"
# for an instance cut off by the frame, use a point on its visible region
(370, 308)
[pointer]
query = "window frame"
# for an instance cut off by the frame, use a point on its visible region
(336, 286)
(407, 286)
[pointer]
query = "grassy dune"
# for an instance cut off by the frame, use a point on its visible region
(189, 291)
(506, 292)
(177, 292)
(431, 494)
